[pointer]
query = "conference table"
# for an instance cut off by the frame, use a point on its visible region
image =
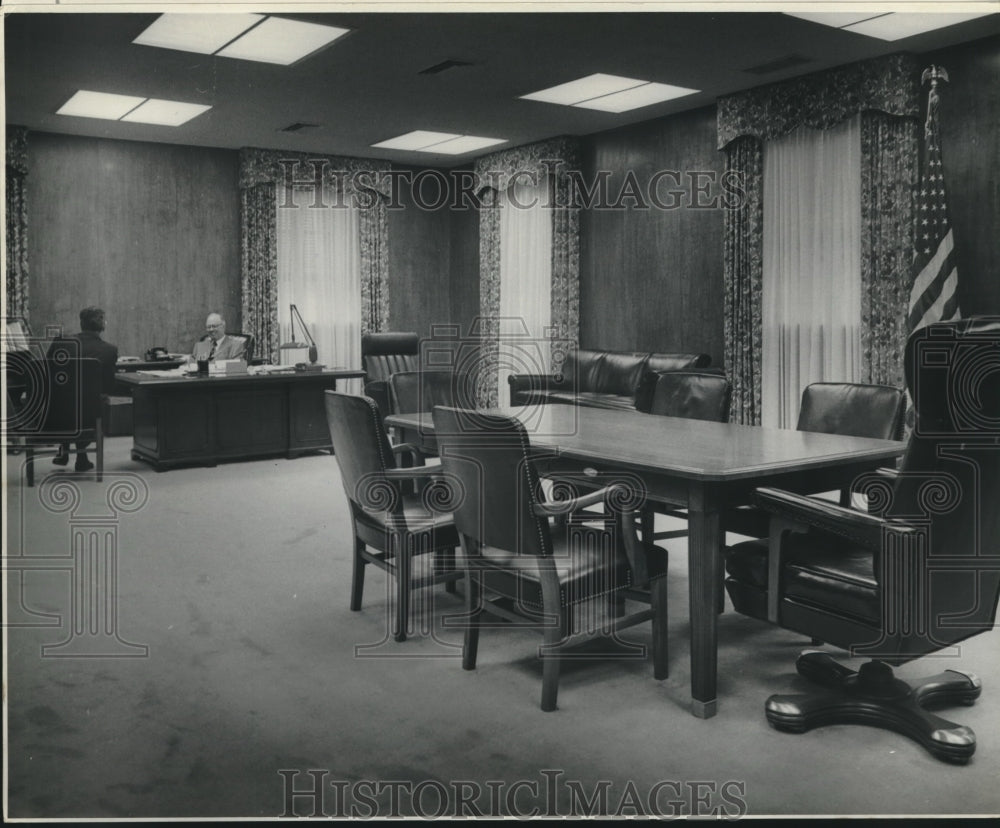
(706, 467)
(188, 419)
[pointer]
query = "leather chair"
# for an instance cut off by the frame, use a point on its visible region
(415, 391)
(525, 568)
(851, 409)
(248, 347)
(913, 578)
(390, 526)
(692, 395)
(382, 355)
(62, 404)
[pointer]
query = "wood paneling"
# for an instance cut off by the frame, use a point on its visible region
(651, 278)
(419, 269)
(970, 145)
(149, 232)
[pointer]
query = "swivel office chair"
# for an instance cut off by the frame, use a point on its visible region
(918, 576)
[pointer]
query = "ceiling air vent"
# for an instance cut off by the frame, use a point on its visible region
(444, 66)
(777, 65)
(298, 126)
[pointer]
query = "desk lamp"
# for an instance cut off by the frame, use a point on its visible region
(310, 343)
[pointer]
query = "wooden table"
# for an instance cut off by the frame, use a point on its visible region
(185, 420)
(706, 467)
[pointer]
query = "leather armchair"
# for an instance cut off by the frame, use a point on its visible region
(391, 526)
(916, 576)
(382, 355)
(525, 566)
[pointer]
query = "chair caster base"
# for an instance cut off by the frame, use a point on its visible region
(873, 696)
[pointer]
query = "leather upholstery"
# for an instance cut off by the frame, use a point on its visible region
(248, 345)
(851, 578)
(686, 394)
(852, 409)
(382, 355)
(604, 379)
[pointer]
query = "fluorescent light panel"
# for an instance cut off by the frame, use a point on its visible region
(85, 104)
(890, 25)
(201, 33)
(609, 93)
(111, 107)
(242, 36)
(446, 143)
(281, 41)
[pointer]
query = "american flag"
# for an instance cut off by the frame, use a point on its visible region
(933, 297)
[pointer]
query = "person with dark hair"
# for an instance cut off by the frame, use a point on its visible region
(92, 321)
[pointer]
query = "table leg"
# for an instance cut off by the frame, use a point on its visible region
(704, 584)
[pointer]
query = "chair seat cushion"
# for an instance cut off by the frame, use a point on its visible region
(415, 517)
(818, 571)
(583, 571)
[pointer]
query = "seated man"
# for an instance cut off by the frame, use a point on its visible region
(91, 347)
(215, 344)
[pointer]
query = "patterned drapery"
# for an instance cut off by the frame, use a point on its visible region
(889, 152)
(886, 93)
(17, 222)
(547, 160)
(363, 180)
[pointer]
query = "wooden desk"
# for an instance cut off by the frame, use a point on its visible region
(200, 420)
(706, 467)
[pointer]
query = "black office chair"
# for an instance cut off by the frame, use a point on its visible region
(521, 566)
(390, 526)
(851, 409)
(688, 394)
(415, 391)
(62, 403)
(382, 355)
(248, 346)
(916, 577)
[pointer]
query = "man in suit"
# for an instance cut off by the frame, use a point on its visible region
(91, 346)
(215, 344)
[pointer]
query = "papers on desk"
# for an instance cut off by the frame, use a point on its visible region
(167, 374)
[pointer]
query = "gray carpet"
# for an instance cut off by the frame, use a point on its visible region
(236, 578)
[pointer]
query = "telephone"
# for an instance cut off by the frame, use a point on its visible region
(156, 354)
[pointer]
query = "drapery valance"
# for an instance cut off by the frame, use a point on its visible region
(551, 161)
(820, 100)
(17, 222)
(886, 92)
(261, 172)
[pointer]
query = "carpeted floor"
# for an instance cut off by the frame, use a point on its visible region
(236, 579)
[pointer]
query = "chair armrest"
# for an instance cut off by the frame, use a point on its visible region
(568, 507)
(524, 387)
(414, 473)
(860, 527)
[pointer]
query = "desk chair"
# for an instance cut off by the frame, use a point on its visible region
(62, 404)
(382, 355)
(248, 346)
(390, 527)
(915, 578)
(415, 391)
(523, 567)
(847, 408)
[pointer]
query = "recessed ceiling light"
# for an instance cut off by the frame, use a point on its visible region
(205, 34)
(105, 105)
(609, 93)
(282, 41)
(165, 113)
(463, 143)
(636, 97)
(111, 107)
(446, 143)
(889, 25)
(583, 89)
(244, 36)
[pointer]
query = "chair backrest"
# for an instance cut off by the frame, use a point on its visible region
(423, 390)
(853, 410)
(362, 450)
(383, 354)
(487, 459)
(949, 480)
(71, 389)
(687, 394)
(248, 343)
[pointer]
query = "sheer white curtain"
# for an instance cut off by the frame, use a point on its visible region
(811, 305)
(319, 271)
(525, 282)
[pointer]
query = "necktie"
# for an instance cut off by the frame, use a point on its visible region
(211, 352)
